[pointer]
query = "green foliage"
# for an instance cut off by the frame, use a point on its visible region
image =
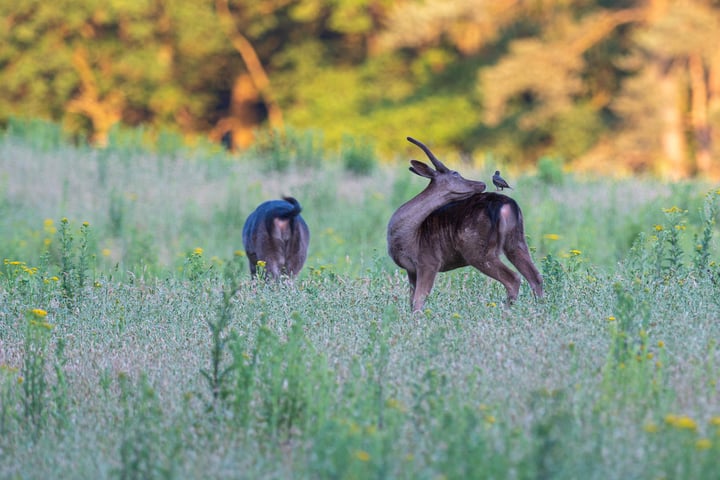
(709, 213)
(74, 263)
(141, 453)
(358, 156)
(289, 147)
(34, 380)
(550, 171)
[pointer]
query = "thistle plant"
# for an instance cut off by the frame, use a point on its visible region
(676, 225)
(709, 212)
(195, 266)
(83, 262)
(218, 374)
(74, 265)
(9, 380)
(66, 258)
(33, 378)
(141, 450)
(60, 388)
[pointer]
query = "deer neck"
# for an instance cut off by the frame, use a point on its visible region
(411, 214)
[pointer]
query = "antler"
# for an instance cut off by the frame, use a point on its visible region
(438, 164)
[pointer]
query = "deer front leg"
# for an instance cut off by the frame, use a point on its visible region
(425, 280)
(412, 279)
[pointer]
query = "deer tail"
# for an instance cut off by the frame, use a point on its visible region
(295, 209)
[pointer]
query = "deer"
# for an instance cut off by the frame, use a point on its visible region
(454, 223)
(275, 233)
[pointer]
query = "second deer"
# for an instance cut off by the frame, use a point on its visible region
(452, 224)
(276, 234)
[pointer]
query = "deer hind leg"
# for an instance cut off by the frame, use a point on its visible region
(520, 257)
(493, 267)
(421, 288)
(252, 261)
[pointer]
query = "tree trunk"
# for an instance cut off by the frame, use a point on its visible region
(252, 62)
(237, 129)
(699, 114)
(103, 112)
(672, 135)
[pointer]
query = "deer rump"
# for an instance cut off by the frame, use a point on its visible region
(276, 234)
(475, 231)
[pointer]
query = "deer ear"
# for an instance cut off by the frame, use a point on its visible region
(420, 168)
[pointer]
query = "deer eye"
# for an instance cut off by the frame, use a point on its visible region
(455, 174)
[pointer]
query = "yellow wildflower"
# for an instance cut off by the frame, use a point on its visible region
(651, 427)
(20, 380)
(106, 252)
(715, 421)
(610, 318)
(45, 325)
(362, 455)
(239, 253)
(198, 251)
(490, 419)
(261, 263)
(39, 312)
(673, 209)
(86, 224)
(575, 252)
(659, 228)
(703, 444)
(491, 304)
(660, 344)
(682, 422)
(551, 236)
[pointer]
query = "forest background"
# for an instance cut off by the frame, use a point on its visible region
(609, 86)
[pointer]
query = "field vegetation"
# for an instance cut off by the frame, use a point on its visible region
(133, 343)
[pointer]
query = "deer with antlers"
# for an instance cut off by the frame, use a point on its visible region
(453, 223)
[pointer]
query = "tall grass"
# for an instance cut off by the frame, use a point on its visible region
(136, 346)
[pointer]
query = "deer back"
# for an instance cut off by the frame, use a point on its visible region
(459, 231)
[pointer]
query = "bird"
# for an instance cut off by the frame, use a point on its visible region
(499, 182)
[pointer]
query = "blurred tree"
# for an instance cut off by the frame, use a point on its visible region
(671, 103)
(557, 83)
(634, 81)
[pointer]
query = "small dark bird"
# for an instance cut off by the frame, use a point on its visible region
(500, 182)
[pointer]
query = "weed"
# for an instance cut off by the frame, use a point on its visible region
(33, 375)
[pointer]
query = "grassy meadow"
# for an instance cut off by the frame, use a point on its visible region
(133, 343)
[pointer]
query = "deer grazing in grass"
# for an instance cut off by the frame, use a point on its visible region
(276, 234)
(452, 224)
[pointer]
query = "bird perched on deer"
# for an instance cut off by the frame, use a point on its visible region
(500, 182)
